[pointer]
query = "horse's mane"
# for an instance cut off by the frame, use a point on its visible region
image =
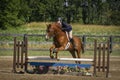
(57, 25)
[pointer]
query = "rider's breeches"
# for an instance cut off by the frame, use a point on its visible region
(70, 34)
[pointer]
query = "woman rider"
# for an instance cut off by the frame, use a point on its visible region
(67, 28)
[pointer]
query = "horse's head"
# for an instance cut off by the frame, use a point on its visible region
(51, 30)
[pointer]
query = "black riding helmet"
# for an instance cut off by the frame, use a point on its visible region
(60, 19)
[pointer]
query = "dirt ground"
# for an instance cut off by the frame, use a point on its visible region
(7, 74)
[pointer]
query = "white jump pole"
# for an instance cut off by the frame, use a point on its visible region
(40, 58)
(75, 59)
(60, 59)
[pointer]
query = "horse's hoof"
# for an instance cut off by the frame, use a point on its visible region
(52, 57)
(57, 58)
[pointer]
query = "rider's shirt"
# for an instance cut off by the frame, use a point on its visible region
(66, 27)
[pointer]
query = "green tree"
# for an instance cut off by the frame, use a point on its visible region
(9, 13)
(24, 11)
(17, 12)
(114, 7)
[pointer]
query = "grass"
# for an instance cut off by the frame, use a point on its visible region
(40, 27)
(78, 29)
(96, 30)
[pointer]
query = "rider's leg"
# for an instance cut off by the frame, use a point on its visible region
(67, 34)
(71, 38)
(70, 34)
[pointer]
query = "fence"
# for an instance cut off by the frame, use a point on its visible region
(86, 39)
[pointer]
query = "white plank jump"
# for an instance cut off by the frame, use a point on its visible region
(60, 59)
(40, 58)
(75, 59)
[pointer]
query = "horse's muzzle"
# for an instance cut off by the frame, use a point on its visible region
(46, 37)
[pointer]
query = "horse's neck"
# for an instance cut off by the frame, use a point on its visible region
(60, 35)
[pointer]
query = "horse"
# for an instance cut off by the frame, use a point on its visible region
(60, 40)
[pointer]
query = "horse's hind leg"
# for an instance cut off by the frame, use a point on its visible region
(78, 54)
(73, 55)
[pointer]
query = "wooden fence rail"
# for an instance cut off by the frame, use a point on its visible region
(83, 37)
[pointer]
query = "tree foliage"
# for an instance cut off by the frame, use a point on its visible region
(17, 12)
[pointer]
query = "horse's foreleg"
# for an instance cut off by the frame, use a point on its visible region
(58, 49)
(51, 51)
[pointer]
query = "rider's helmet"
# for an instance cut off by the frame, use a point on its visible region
(60, 19)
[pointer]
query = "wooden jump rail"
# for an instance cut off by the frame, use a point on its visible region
(100, 61)
(101, 57)
(20, 54)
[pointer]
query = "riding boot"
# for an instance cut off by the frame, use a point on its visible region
(72, 41)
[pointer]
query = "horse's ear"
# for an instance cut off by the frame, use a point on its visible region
(48, 25)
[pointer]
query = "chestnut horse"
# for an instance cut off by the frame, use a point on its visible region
(60, 41)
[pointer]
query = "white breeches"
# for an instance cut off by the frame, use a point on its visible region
(69, 35)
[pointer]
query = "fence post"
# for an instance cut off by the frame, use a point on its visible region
(18, 53)
(84, 42)
(99, 48)
(95, 55)
(26, 52)
(14, 56)
(108, 58)
(111, 41)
